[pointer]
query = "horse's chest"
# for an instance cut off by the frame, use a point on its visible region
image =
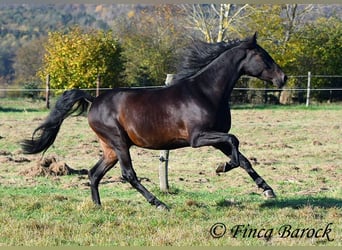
(223, 121)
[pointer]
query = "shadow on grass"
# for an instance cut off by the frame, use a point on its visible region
(229, 203)
(284, 107)
(18, 110)
(256, 106)
(297, 203)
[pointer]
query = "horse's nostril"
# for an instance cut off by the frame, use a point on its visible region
(285, 78)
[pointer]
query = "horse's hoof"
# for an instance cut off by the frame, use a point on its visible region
(163, 207)
(220, 168)
(269, 194)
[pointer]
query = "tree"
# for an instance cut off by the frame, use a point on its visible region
(295, 15)
(75, 59)
(150, 38)
(28, 60)
(301, 43)
(6, 57)
(276, 26)
(321, 54)
(23, 23)
(217, 22)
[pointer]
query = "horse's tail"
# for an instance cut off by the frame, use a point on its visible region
(49, 129)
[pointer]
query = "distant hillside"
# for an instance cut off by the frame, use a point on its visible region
(29, 20)
(22, 23)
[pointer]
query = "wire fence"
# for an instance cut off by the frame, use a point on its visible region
(240, 95)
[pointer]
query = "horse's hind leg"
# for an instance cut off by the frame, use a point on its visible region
(107, 161)
(129, 175)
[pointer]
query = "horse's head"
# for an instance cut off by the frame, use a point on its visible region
(259, 63)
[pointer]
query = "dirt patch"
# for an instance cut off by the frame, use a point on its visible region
(49, 166)
(5, 152)
(7, 156)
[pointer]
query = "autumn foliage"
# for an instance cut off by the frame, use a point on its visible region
(75, 59)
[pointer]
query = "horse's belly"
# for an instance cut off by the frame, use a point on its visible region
(153, 136)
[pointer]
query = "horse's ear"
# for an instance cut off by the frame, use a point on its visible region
(250, 42)
(255, 37)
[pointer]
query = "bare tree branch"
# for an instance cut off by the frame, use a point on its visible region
(216, 21)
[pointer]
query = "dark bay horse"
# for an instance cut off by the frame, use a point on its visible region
(193, 111)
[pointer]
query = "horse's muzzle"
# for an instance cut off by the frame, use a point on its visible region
(280, 81)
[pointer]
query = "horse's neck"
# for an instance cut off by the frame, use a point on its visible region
(218, 79)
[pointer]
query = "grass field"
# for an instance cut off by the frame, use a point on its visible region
(296, 149)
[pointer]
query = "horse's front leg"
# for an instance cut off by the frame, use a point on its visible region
(226, 166)
(218, 138)
(261, 183)
(247, 166)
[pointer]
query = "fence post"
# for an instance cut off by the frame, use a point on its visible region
(47, 92)
(308, 90)
(163, 170)
(265, 94)
(164, 156)
(98, 83)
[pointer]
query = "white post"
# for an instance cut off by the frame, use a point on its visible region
(308, 90)
(47, 92)
(163, 170)
(164, 156)
(168, 79)
(98, 83)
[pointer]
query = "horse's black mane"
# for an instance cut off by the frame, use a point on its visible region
(199, 55)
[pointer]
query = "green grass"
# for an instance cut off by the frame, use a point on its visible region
(49, 219)
(297, 150)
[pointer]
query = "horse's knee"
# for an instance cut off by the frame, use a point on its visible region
(233, 140)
